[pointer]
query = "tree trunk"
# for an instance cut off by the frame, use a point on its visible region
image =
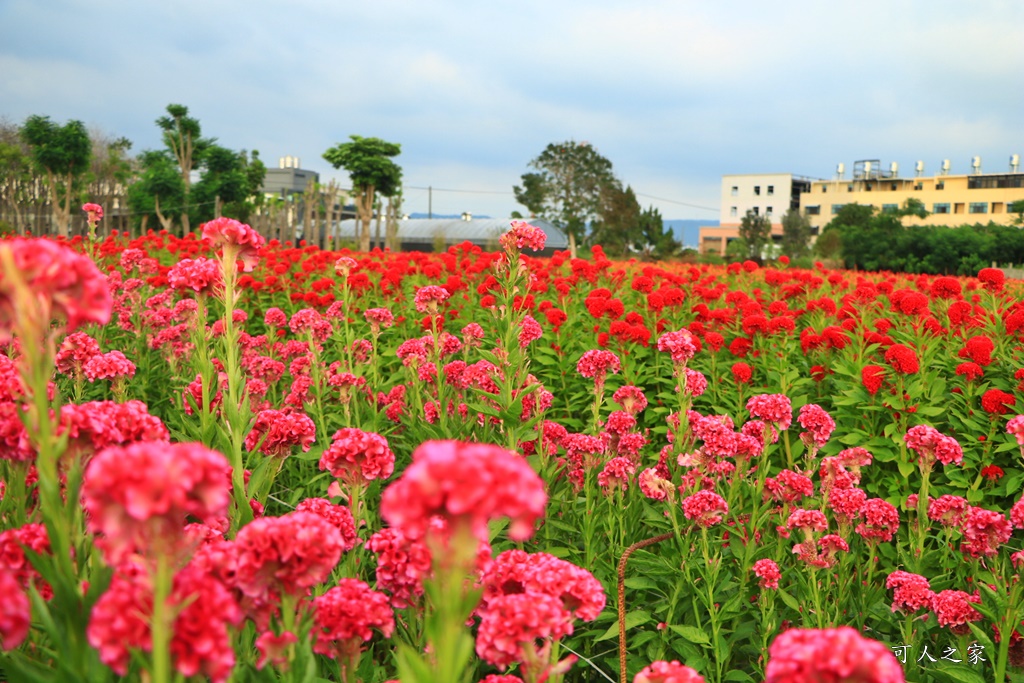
(572, 245)
(165, 221)
(331, 242)
(365, 216)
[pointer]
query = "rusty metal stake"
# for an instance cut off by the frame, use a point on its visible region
(622, 596)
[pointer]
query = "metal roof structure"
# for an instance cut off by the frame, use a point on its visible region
(483, 232)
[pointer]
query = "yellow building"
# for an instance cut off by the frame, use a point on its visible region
(950, 199)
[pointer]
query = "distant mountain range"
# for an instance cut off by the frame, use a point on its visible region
(686, 230)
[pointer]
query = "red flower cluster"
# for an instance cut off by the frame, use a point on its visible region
(902, 359)
(356, 457)
(667, 672)
(276, 432)
(840, 654)
(344, 617)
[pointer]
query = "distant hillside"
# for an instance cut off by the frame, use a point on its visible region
(687, 229)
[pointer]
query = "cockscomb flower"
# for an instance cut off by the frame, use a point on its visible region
(818, 423)
(529, 331)
(239, 241)
(275, 317)
(789, 487)
(768, 571)
(654, 486)
(881, 520)
(516, 571)
(512, 622)
(949, 511)
(705, 508)
(355, 456)
(597, 363)
(902, 359)
(345, 265)
(273, 649)
(522, 234)
(465, 483)
(15, 611)
(287, 554)
(775, 409)
(985, 531)
(846, 503)
(379, 318)
(834, 655)
(913, 592)
(931, 445)
(276, 432)
(631, 398)
(616, 474)
(997, 402)
(110, 365)
(201, 275)
(667, 672)
(41, 281)
(429, 298)
(75, 351)
(137, 497)
(402, 564)
(681, 345)
(339, 516)
(94, 213)
(345, 617)
(810, 520)
(953, 609)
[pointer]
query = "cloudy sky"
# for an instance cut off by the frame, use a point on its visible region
(675, 93)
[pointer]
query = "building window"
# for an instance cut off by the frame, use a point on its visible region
(836, 208)
(756, 210)
(768, 211)
(940, 185)
(735, 190)
(732, 210)
(940, 208)
(813, 210)
(824, 189)
(978, 207)
(757, 190)
(890, 208)
(918, 186)
(892, 186)
(849, 188)
(771, 190)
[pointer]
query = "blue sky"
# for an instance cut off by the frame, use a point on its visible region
(674, 93)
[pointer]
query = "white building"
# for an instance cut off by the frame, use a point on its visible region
(765, 194)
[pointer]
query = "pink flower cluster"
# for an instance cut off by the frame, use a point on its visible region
(667, 672)
(355, 456)
(111, 365)
(429, 298)
(345, 616)
(515, 571)
(681, 345)
(465, 483)
(818, 423)
(768, 571)
(402, 564)
(705, 508)
(839, 654)
(201, 275)
(522, 234)
(597, 363)
(775, 409)
(913, 592)
(931, 445)
(236, 238)
(276, 432)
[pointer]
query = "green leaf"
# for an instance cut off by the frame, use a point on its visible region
(633, 619)
(960, 673)
(790, 601)
(692, 634)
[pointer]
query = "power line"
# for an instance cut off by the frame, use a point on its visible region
(441, 189)
(638, 194)
(673, 201)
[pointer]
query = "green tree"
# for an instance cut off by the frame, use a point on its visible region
(617, 227)
(655, 240)
(230, 185)
(796, 234)
(1017, 207)
(62, 153)
(567, 188)
(159, 188)
(182, 136)
(756, 231)
(368, 162)
(19, 194)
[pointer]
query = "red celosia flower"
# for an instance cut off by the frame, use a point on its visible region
(357, 456)
(992, 279)
(913, 591)
(970, 371)
(984, 531)
(992, 472)
(15, 611)
(668, 672)
(881, 520)
(871, 378)
(741, 373)
(465, 484)
(137, 497)
(345, 616)
(339, 516)
(705, 508)
(273, 649)
(840, 654)
(902, 359)
(522, 234)
(286, 554)
(512, 622)
(949, 511)
(775, 409)
(946, 288)
(55, 283)
(953, 608)
(997, 402)
(979, 349)
(768, 571)
(239, 240)
(276, 432)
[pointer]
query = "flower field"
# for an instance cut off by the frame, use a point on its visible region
(233, 460)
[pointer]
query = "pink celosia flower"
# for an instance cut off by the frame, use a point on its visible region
(667, 672)
(681, 345)
(705, 508)
(847, 503)
(953, 609)
(275, 317)
(357, 456)
(310, 320)
(379, 318)
(515, 571)
(15, 611)
(273, 649)
(339, 516)
(529, 331)
(597, 363)
(949, 511)
(346, 616)
(138, 496)
(511, 622)
(522, 234)
(913, 591)
(631, 398)
(201, 275)
(840, 654)
(429, 298)
(13, 543)
(616, 474)
(345, 265)
(465, 484)
(1015, 426)
(239, 241)
(812, 520)
(985, 531)
(789, 487)
(286, 554)
(111, 365)
(696, 383)
(402, 564)
(277, 432)
(75, 351)
(881, 520)
(49, 282)
(653, 486)
(931, 445)
(775, 409)
(95, 425)
(768, 571)
(94, 213)
(818, 423)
